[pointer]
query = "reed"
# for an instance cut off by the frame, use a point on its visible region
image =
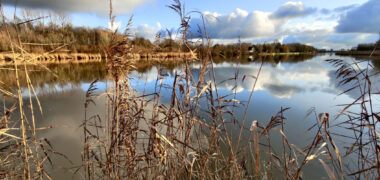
(191, 137)
(363, 125)
(23, 154)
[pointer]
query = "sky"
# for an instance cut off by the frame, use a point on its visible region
(325, 24)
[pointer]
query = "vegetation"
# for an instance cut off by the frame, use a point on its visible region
(240, 49)
(24, 155)
(40, 36)
(370, 49)
(190, 138)
(365, 47)
(55, 33)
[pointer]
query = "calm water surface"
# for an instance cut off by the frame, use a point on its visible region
(297, 82)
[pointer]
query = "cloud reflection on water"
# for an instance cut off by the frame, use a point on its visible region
(282, 80)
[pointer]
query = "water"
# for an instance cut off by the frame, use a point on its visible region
(300, 83)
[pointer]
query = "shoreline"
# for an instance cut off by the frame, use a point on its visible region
(63, 58)
(289, 53)
(358, 53)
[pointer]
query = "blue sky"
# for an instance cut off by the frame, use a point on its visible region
(321, 23)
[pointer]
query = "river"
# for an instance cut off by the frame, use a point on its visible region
(297, 82)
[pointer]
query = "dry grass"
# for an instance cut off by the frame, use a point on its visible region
(192, 136)
(363, 125)
(23, 155)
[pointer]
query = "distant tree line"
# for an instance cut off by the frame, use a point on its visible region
(54, 32)
(366, 47)
(46, 38)
(232, 50)
(51, 33)
(40, 38)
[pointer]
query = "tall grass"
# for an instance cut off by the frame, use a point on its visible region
(191, 137)
(23, 155)
(358, 76)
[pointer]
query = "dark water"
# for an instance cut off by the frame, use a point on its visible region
(298, 82)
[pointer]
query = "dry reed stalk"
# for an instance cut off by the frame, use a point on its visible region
(190, 146)
(30, 158)
(362, 125)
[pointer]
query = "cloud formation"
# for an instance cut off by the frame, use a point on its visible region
(250, 25)
(115, 26)
(345, 8)
(282, 80)
(283, 90)
(324, 38)
(290, 23)
(293, 10)
(362, 19)
(149, 32)
(337, 10)
(93, 6)
(146, 31)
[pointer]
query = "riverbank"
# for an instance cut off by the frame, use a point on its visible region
(59, 58)
(9, 58)
(358, 53)
(62, 98)
(289, 53)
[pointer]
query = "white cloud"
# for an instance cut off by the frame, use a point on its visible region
(93, 6)
(239, 23)
(115, 26)
(292, 10)
(289, 24)
(351, 38)
(147, 31)
(159, 26)
(313, 33)
(328, 38)
(250, 25)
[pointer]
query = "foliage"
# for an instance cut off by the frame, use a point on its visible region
(42, 38)
(190, 137)
(366, 47)
(233, 50)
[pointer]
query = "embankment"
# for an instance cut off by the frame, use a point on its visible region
(162, 56)
(358, 53)
(289, 53)
(8, 58)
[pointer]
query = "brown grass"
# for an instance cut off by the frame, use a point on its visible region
(143, 138)
(191, 137)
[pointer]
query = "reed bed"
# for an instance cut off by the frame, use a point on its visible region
(191, 137)
(23, 155)
(363, 124)
(140, 137)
